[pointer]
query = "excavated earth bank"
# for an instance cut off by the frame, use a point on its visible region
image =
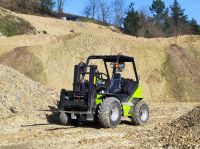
(169, 70)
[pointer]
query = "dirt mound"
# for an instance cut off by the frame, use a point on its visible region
(25, 62)
(189, 120)
(21, 100)
(184, 131)
(182, 74)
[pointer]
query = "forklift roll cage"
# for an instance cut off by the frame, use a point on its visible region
(113, 58)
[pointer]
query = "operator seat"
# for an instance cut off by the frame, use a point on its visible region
(128, 86)
(115, 84)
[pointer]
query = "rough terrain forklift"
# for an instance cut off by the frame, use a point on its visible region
(103, 97)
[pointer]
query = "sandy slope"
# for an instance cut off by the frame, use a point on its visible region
(57, 55)
(67, 43)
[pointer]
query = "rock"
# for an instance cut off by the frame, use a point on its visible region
(13, 110)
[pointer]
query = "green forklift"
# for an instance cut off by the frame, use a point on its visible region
(106, 96)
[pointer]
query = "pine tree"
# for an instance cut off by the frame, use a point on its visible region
(178, 14)
(195, 28)
(60, 5)
(131, 22)
(160, 12)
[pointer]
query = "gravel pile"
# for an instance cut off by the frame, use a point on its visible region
(22, 100)
(183, 132)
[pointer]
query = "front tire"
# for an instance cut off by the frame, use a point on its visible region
(110, 112)
(140, 113)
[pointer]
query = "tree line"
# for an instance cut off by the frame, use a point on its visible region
(161, 22)
(105, 11)
(32, 6)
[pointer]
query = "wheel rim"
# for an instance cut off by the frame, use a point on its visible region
(143, 114)
(114, 113)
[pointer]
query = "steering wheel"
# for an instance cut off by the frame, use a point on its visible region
(102, 78)
(102, 87)
(103, 74)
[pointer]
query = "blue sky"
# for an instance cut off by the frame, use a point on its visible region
(192, 7)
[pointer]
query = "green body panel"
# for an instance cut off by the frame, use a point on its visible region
(126, 109)
(99, 99)
(137, 93)
(127, 106)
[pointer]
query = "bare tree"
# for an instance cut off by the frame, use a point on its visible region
(27, 6)
(23, 6)
(87, 11)
(1, 2)
(119, 10)
(104, 11)
(8, 4)
(60, 4)
(92, 8)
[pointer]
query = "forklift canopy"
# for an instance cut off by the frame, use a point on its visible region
(111, 58)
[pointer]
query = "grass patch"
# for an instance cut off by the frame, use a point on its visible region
(11, 25)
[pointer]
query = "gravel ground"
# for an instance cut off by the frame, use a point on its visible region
(23, 124)
(152, 135)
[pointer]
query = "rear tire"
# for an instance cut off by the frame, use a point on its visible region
(63, 118)
(140, 113)
(110, 112)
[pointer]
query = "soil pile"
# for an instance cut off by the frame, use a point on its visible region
(21, 100)
(24, 61)
(184, 131)
(182, 73)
